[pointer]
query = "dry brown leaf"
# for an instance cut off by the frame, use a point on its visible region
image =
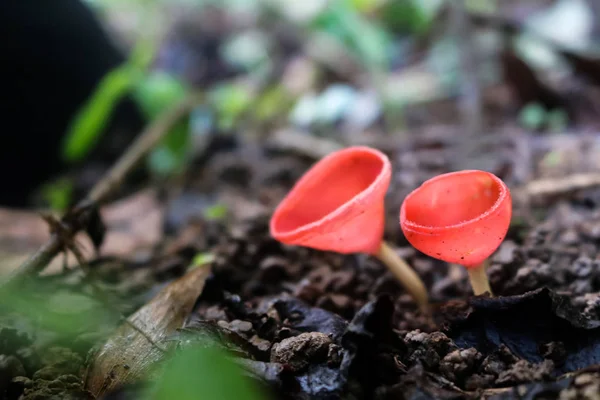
(128, 355)
(133, 223)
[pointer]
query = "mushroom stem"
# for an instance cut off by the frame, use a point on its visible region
(479, 279)
(405, 274)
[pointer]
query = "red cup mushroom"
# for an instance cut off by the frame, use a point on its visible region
(338, 205)
(459, 217)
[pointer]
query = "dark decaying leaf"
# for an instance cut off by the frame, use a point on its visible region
(369, 348)
(96, 229)
(526, 324)
(305, 318)
(129, 356)
(371, 345)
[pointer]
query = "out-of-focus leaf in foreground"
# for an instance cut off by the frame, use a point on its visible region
(128, 356)
(202, 372)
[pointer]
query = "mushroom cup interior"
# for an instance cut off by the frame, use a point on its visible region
(453, 199)
(326, 187)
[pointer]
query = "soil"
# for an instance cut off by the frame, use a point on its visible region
(313, 324)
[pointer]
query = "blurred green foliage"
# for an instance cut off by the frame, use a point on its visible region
(154, 94)
(91, 120)
(58, 194)
(202, 259)
(409, 16)
(85, 130)
(45, 309)
(364, 37)
(201, 372)
(230, 101)
(365, 27)
(216, 212)
(534, 116)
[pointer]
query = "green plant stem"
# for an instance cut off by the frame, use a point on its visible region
(479, 279)
(405, 274)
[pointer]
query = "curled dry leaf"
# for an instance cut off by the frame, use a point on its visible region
(133, 224)
(129, 355)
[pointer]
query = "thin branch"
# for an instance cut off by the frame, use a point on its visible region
(470, 101)
(562, 186)
(78, 218)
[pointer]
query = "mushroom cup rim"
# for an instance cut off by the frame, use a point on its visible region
(385, 171)
(417, 228)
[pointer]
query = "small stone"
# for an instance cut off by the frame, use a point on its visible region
(223, 324)
(492, 365)
(523, 371)
(416, 336)
(241, 327)
(215, 313)
(436, 341)
(298, 351)
(460, 363)
(441, 343)
(584, 379)
(427, 356)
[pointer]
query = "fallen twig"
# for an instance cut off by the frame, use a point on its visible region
(78, 218)
(561, 186)
(303, 144)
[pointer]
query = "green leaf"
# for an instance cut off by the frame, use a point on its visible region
(365, 38)
(558, 120)
(413, 16)
(532, 116)
(171, 155)
(58, 194)
(89, 123)
(230, 101)
(203, 373)
(216, 212)
(201, 259)
(274, 101)
(155, 93)
(49, 308)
